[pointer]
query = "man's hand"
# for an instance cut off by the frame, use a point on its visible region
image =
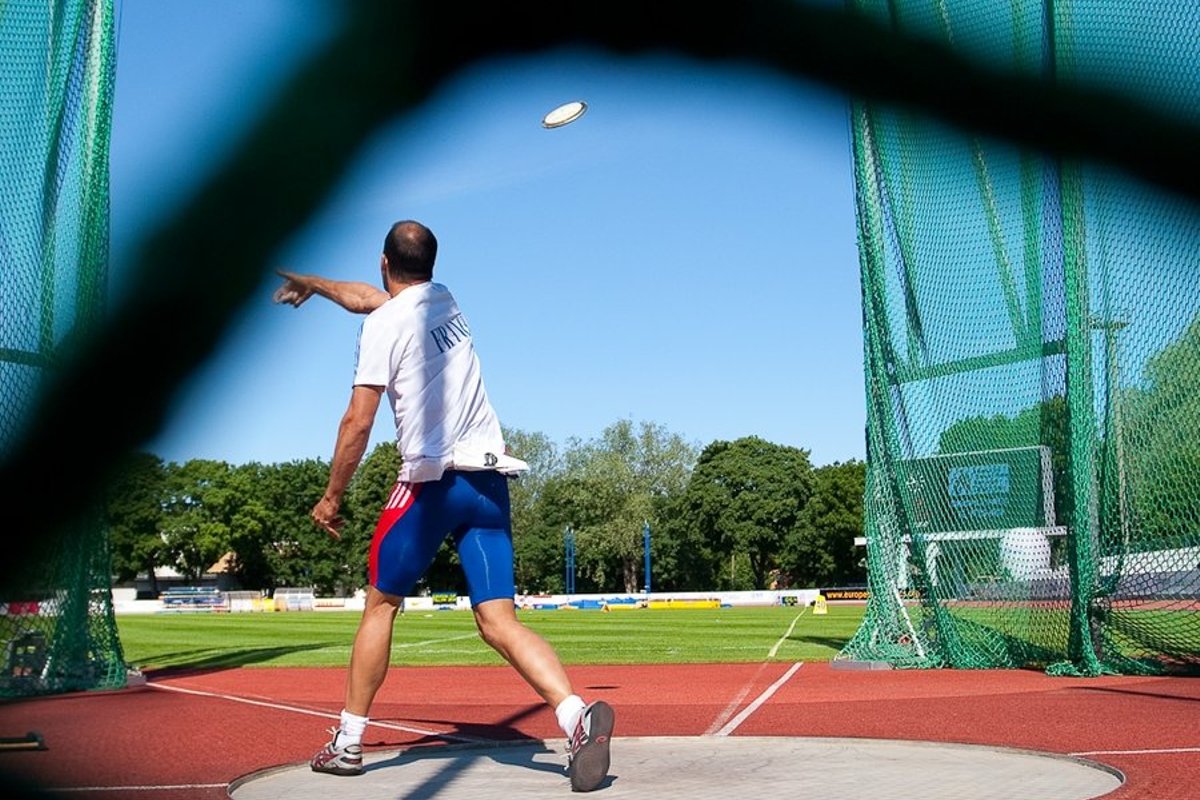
(324, 513)
(294, 291)
(354, 296)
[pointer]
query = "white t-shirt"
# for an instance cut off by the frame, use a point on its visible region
(419, 347)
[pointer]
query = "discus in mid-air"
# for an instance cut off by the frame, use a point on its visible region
(564, 114)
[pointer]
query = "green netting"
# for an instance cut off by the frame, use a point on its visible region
(1032, 337)
(56, 61)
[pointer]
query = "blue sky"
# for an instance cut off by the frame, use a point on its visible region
(683, 254)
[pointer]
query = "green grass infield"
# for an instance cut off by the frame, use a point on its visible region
(437, 638)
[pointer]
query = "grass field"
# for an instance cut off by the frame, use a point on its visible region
(643, 636)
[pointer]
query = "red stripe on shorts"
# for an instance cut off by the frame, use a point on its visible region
(400, 500)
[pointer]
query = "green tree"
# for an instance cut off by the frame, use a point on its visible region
(134, 518)
(198, 506)
(579, 502)
(537, 547)
(1160, 456)
(274, 543)
(746, 496)
(820, 549)
(611, 486)
(683, 559)
(249, 525)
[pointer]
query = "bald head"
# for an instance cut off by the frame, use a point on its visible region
(410, 250)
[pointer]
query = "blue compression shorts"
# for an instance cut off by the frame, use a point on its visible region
(472, 507)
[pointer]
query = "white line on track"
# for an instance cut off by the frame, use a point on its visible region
(1162, 751)
(735, 703)
(721, 719)
(315, 713)
(757, 702)
(783, 638)
(345, 648)
(143, 788)
(471, 635)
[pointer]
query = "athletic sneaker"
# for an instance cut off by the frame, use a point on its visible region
(335, 760)
(587, 751)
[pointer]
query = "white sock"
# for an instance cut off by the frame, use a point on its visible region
(351, 729)
(568, 712)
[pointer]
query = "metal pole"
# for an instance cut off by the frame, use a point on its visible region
(1083, 546)
(646, 547)
(569, 542)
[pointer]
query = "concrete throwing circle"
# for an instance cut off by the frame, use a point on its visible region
(702, 767)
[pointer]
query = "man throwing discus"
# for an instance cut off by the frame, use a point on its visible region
(415, 345)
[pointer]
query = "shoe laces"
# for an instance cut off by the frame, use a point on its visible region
(580, 737)
(333, 732)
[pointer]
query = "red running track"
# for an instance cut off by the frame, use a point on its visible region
(185, 736)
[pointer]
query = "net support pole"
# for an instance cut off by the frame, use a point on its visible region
(93, 252)
(1082, 539)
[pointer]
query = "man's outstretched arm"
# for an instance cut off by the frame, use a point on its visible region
(355, 296)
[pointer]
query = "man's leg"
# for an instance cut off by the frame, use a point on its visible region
(530, 654)
(588, 728)
(485, 550)
(409, 531)
(372, 650)
(368, 667)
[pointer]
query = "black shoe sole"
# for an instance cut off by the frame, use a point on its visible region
(589, 767)
(338, 771)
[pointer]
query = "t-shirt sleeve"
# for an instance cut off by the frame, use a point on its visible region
(373, 365)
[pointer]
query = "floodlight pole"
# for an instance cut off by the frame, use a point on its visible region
(646, 549)
(569, 543)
